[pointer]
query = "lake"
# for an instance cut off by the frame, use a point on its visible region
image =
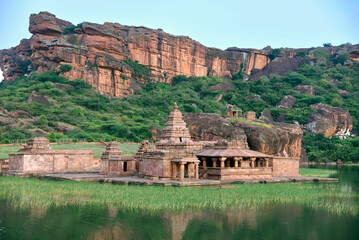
(269, 222)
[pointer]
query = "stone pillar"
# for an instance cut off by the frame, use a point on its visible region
(204, 163)
(174, 170)
(196, 171)
(181, 170)
(253, 161)
(214, 162)
(222, 159)
(266, 162)
(236, 160)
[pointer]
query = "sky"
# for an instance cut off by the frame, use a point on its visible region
(220, 24)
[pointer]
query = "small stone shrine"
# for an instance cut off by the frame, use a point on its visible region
(113, 163)
(38, 157)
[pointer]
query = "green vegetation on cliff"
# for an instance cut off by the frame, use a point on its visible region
(77, 111)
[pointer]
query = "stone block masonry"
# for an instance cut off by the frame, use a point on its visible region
(38, 157)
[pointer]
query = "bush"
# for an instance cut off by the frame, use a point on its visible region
(274, 53)
(327, 45)
(341, 59)
(140, 71)
(65, 68)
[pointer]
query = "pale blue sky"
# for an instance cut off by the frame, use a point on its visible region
(221, 24)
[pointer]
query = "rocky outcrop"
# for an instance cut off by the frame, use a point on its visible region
(266, 115)
(213, 127)
(277, 138)
(306, 89)
(38, 98)
(97, 52)
(278, 66)
(286, 102)
(343, 93)
(223, 87)
(330, 121)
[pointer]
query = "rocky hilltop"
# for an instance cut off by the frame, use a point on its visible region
(97, 54)
(272, 138)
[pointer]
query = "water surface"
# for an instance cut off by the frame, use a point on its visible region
(270, 222)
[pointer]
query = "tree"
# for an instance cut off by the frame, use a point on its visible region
(327, 45)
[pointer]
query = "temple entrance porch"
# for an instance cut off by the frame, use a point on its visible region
(185, 168)
(232, 168)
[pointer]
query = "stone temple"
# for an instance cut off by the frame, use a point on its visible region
(174, 157)
(177, 157)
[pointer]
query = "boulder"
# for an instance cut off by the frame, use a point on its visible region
(278, 66)
(38, 98)
(64, 128)
(47, 24)
(343, 93)
(266, 115)
(223, 87)
(213, 127)
(286, 102)
(306, 89)
(330, 121)
(7, 121)
(277, 138)
(20, 114)
(280, 139)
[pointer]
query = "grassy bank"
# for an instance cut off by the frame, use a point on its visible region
(316, 172)
(30, 193)
(97, 149)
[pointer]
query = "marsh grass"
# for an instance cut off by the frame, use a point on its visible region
(28, 193)
(316, 172)
(127, 149)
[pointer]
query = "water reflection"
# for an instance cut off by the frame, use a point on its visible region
(269, 222)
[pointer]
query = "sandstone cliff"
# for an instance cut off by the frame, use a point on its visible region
(96, 53)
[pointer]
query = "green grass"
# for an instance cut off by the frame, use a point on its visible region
(246, 121)
(316, 172)
(127, 149)
(28, 193)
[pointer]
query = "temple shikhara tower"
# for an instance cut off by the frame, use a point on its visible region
(174, 156)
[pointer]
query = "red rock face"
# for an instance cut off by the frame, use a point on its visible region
(96, 52)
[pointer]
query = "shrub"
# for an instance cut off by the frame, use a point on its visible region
(140, 71)
(274, 53)
(341, 59)
(71, 29)
(302, 54)
(327, 45)
(65, 68)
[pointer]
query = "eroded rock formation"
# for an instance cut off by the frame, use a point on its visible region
(330, 121)
(96, 53)
(279, 138)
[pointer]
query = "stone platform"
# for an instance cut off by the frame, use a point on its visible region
(134, 180)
